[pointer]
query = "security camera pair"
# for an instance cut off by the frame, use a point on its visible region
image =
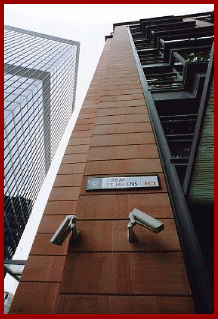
(136, 217)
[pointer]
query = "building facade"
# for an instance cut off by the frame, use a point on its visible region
(40, 75)
(148, 113)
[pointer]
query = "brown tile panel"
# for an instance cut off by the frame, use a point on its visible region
(151, 305)
(115, 66)
(60, 207)
(123, 152)
(68, 180)
(88, 111)
(42, 246)
(83, 304)
(113, 86)
(120, 81)
(44, 268)
(35, 298)
(123, 91)
(122, 78)
(122, 110)
(64, 193)
(119, 206)
(122, 119)
(83, 127)
(95, 236)
(160, 273)
(112, 236)
(84, 121)
(146, 241)
(97, 273)
(134, 166)
(113, 98)
(102, 207)
(125, 273)
(81, 133)
(74, 158)
(71, 168)
(87, 116)
(130, 97)
(79, 141)
(50, 223)
(157, 205)
(122, 128)
(104, 304)
(131, 103)
(123, 139)
(174, 305)
(76, 149)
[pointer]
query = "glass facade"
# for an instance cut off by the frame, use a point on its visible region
(40, 75)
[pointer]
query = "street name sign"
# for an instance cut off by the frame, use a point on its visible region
(122, 182)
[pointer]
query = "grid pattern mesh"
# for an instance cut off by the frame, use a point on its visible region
(39, 91)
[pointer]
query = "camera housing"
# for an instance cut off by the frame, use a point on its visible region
(67, 225)
(140, 218)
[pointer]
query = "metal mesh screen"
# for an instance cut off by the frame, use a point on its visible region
(39, 91)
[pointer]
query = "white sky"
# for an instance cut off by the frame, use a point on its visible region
(88, 24)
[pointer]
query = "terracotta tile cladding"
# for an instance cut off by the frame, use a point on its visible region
(87, 116)
(124, 273)
(68, 180)
(79, 141)
(122, 128)
(130, 118)
(123, 139)
(112, 86)
(42, 246)
(83, 127)
(175, 305)
(71, 168)
(102, 206)
(37, 298)
(120, 82)
(80, 133)
(49, 223)
(91, 105)
(112, 236)
(45, 268)
(162, 271)
(74, 158)
(97, 273)
(88, 111)
(130, 97)
(135, 166)
(104, 304)
(64, 193)
(123, 152)
(84, 121)
(119, 206)
(117, 104)
(60, 207)
(121, 97)
(84, 304)
(76, 149)
(122, 111)
(118, 92)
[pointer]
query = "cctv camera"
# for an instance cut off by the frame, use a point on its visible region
(142, 219)
(67, 225)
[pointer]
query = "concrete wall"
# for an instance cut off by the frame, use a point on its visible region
(106, 273)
